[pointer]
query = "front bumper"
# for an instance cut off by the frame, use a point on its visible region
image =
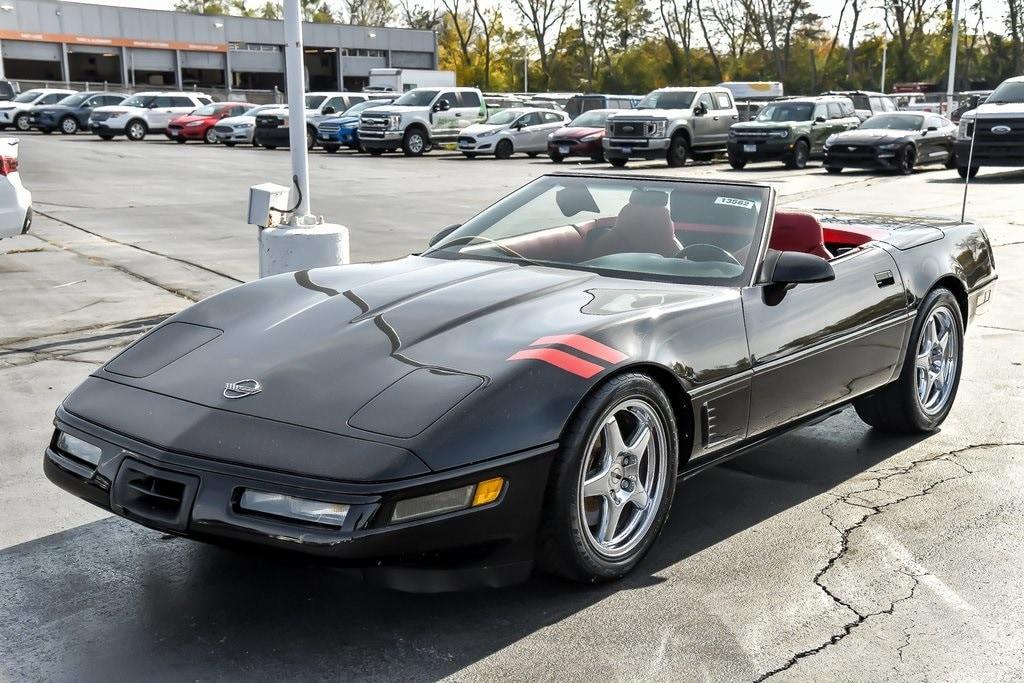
(343, 136)
(106, 127)
(373, 138)
(1008, 153)
(243, 135)
(186, 133)
(43, 122)
(760, 149)
(574, 148)
(276, 137)
(489, 545)
(883, 159)
(473, 145)
(636, 148)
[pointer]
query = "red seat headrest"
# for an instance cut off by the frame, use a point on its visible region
(798, 231)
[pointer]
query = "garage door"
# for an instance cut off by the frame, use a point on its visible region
(142, 59)
(23, 49)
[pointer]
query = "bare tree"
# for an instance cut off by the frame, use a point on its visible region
(369, 12)
(544, 18)
(414, 15)
(1015, 24)
(463, 18)
(678, 33)
(489, 20)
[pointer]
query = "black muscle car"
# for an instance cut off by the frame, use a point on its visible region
(895, 141)
(525, 393)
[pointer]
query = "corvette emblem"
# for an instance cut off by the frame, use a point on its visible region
(1000, 130)
(242, 388)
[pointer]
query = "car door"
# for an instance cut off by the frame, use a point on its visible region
(443, 121)
(161, 112)
(704, 134)
(86, 108)
(821, 128)
(723, 116)
(470, 109)
(550, 122)
(524, 131)
(816, 345)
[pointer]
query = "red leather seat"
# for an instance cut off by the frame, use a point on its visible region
(798, 231)
(643, 226)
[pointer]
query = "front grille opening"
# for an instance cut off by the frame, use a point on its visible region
(156, 497)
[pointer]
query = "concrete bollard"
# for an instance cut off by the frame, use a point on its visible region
(287, 249)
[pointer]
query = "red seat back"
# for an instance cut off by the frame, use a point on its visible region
(642, 226)
(798, 231)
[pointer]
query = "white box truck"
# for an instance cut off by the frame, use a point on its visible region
(401, 80)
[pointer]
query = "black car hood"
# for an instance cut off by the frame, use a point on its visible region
(870, 137)
(388, 351)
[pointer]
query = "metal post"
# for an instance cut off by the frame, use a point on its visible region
(952, 56)
(295, 82)
(526, 72)
(885, 49)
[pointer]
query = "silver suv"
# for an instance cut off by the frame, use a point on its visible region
(420, 119)
(672, 124)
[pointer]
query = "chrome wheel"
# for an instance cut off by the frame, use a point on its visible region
(622, 480)
(935, 363)
(69, 126)
(416, 143)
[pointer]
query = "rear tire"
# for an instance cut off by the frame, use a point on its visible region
(45, 131)
(904, 406)
(598, 482)
(503, 150)
(555, 157)
(677, 152)
(375, 152)
(834, 170)
(532, 155)
(798, 157)
(106, 137)
(414, 143)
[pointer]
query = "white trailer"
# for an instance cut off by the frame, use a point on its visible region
(400, 80)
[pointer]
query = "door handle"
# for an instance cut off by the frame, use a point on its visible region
(457, 114)
(885, 278)
(715, 118)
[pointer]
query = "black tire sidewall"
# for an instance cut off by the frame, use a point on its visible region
(565, 549)
(21, 123)
(908, 375)
(504, 149)
(678, 151)
(407, 148)
(907, 160)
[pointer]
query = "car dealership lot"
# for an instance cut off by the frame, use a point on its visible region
(831, 553)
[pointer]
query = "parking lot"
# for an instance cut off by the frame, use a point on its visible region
(833, 553)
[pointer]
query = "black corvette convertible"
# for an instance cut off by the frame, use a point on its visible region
(525, 393)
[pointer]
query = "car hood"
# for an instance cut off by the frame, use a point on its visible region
(652, 114)
(236, 120)
(1009, 109)
(766, 125)
(869, 137)
(189, 118)
(574, 133)
(51, 109)
(117, 109)
(414, 352)
(386, 109)
(341, 120)
(479, 128)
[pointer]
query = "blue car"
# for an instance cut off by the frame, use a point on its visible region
(343, 130)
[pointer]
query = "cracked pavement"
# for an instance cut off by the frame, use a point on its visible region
(832, 553)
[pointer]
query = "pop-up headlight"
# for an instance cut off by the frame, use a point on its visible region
(290, 507)
(79, 449)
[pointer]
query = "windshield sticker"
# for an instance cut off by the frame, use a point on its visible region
(732, 201)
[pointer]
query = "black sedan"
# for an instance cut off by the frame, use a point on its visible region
(895, 141)
(525, 393)
(71, 114)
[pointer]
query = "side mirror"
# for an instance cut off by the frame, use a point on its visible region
(795, 268)
(328, 110)
(442, 105)
(443, 232)
(819, 119)
(700, 110)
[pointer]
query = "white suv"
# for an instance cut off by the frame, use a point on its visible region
(15, 200)
(144, 112)
(15, 112)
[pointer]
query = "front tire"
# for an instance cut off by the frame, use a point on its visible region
(503, 150)
(922, 397)
(469, 155)
(331, 149)
(951, 160)
(210, 137)
(618, 163)
(834, 170)
(21, 122)
(612, 485)
(678, 150)
(908, 158)
(106, 137)
(798, 157)
(736, 163)
(69, 125)
(414, 143)
(963, 171)
(229, 144)
(135, 130)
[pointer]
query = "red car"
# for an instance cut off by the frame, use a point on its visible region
(581, 138)
(199, 124)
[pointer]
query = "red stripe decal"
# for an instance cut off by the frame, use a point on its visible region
(584, 344)
(561, 360)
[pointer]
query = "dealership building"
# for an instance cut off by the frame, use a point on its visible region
(54, 41)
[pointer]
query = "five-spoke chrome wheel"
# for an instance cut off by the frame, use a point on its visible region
(623, 476)
(935, 362)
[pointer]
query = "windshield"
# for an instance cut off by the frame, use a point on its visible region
(314, 101)
(1008, 92)
(139, 101)
(208, 110)
(359, 106)
(74, 100)
(27, 96)
(894, 122)
(671, 99)
(706, 233)
(592, 119)
(504, 116)
(790, 111)
(417, 98)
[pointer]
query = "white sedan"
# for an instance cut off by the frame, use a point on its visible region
(15, 200)
(517, 129)
(236, 130)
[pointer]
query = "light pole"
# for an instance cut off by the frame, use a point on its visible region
(296, 111)
(526, 71)
(952, 56)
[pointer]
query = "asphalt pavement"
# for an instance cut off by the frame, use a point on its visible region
(833, 553)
